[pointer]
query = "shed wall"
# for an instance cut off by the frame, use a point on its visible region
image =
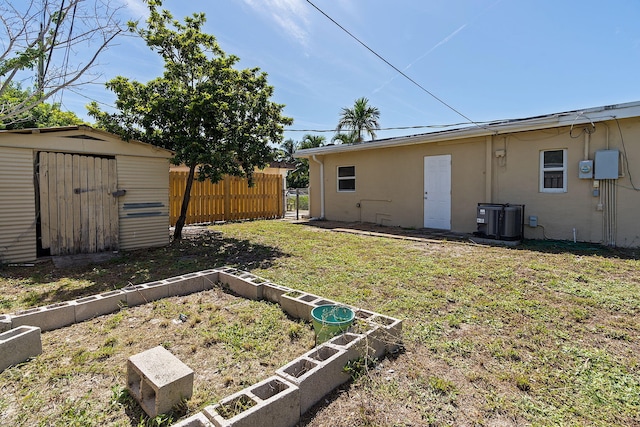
(144, 209)
(17, 199)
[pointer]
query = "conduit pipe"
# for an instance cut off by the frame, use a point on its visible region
(587, 139)
(321, 185)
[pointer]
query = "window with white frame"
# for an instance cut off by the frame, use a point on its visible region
(553, 171)
(346, 178)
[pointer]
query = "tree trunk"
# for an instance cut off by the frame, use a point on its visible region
(177, 233)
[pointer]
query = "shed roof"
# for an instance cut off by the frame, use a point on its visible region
(84, 131)
(567, 118)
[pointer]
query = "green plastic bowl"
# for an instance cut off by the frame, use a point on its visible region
(331, 320)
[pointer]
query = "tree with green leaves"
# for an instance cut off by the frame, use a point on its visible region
(356, 121)
(345, 138)
(40, 39)
(299, 177)
(216, 119)
(41, 115)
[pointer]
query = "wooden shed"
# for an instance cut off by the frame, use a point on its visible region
(75, 189)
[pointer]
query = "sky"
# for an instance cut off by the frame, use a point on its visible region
(470, 60)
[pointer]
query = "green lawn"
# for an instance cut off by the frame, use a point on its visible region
(536, 335)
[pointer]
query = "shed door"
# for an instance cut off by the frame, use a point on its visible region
(437, 192)
(78, 213)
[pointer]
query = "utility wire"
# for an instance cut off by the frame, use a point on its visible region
(403, 74)
(394, 128)
(53, 41)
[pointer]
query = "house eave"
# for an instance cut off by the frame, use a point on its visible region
(568, 118)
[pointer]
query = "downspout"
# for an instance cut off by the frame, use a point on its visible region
(321, 185)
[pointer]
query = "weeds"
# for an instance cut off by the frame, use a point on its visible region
(535, 335)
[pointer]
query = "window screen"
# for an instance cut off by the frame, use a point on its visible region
(346, 178)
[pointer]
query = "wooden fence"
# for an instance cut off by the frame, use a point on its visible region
(229, 199)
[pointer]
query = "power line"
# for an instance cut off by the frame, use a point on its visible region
(403, 74)
(395, 127)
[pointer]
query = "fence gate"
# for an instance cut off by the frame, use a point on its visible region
(78, 212)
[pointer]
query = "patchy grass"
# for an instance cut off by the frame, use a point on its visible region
(537, 335)
(80, 378)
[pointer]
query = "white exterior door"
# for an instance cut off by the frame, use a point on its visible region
(437, 192)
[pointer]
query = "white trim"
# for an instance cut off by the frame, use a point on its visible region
(345, 178)
(562, 169)
(577, 117)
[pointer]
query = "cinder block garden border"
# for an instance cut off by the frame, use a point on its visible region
(279, 400)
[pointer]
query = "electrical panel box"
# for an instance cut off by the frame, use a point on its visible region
(585, 169)
(606, 164)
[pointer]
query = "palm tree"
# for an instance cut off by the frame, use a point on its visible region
(312, 141)
(299, 177)
(286, 151)
(361, 118)
(346, 138)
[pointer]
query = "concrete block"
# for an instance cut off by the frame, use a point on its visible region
(18, 345)
(299, 304)
(185, 284)
(47, 318)
(242, 283)
(382, 334)
(97, 305)
(363, 314)
(196, 420)
(354, 345)
(146, 292)
(273, 293)
(390, 331)
(209, 278)
(316, 373)
(5, 322)
(372, 342)
(273, 402)
(158, 380)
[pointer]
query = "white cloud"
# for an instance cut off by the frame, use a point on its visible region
(138, 8)
(290, 15)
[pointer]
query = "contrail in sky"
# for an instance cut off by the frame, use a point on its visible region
(440, 43)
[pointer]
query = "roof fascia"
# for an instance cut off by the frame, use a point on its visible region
(577, 117)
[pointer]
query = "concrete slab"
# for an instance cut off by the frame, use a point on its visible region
(78, 260)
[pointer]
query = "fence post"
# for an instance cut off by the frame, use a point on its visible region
(227, 198)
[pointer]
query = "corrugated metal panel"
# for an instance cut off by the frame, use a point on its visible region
(144, 232)
(144, 210)
(142, 172)
(17, 206)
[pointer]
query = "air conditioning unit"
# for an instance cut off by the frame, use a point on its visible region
(500, 221)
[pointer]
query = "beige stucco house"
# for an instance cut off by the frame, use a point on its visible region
(75, 189)
(577, 173)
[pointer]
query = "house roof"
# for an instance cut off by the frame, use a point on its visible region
(82, 129)
(567, 118)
